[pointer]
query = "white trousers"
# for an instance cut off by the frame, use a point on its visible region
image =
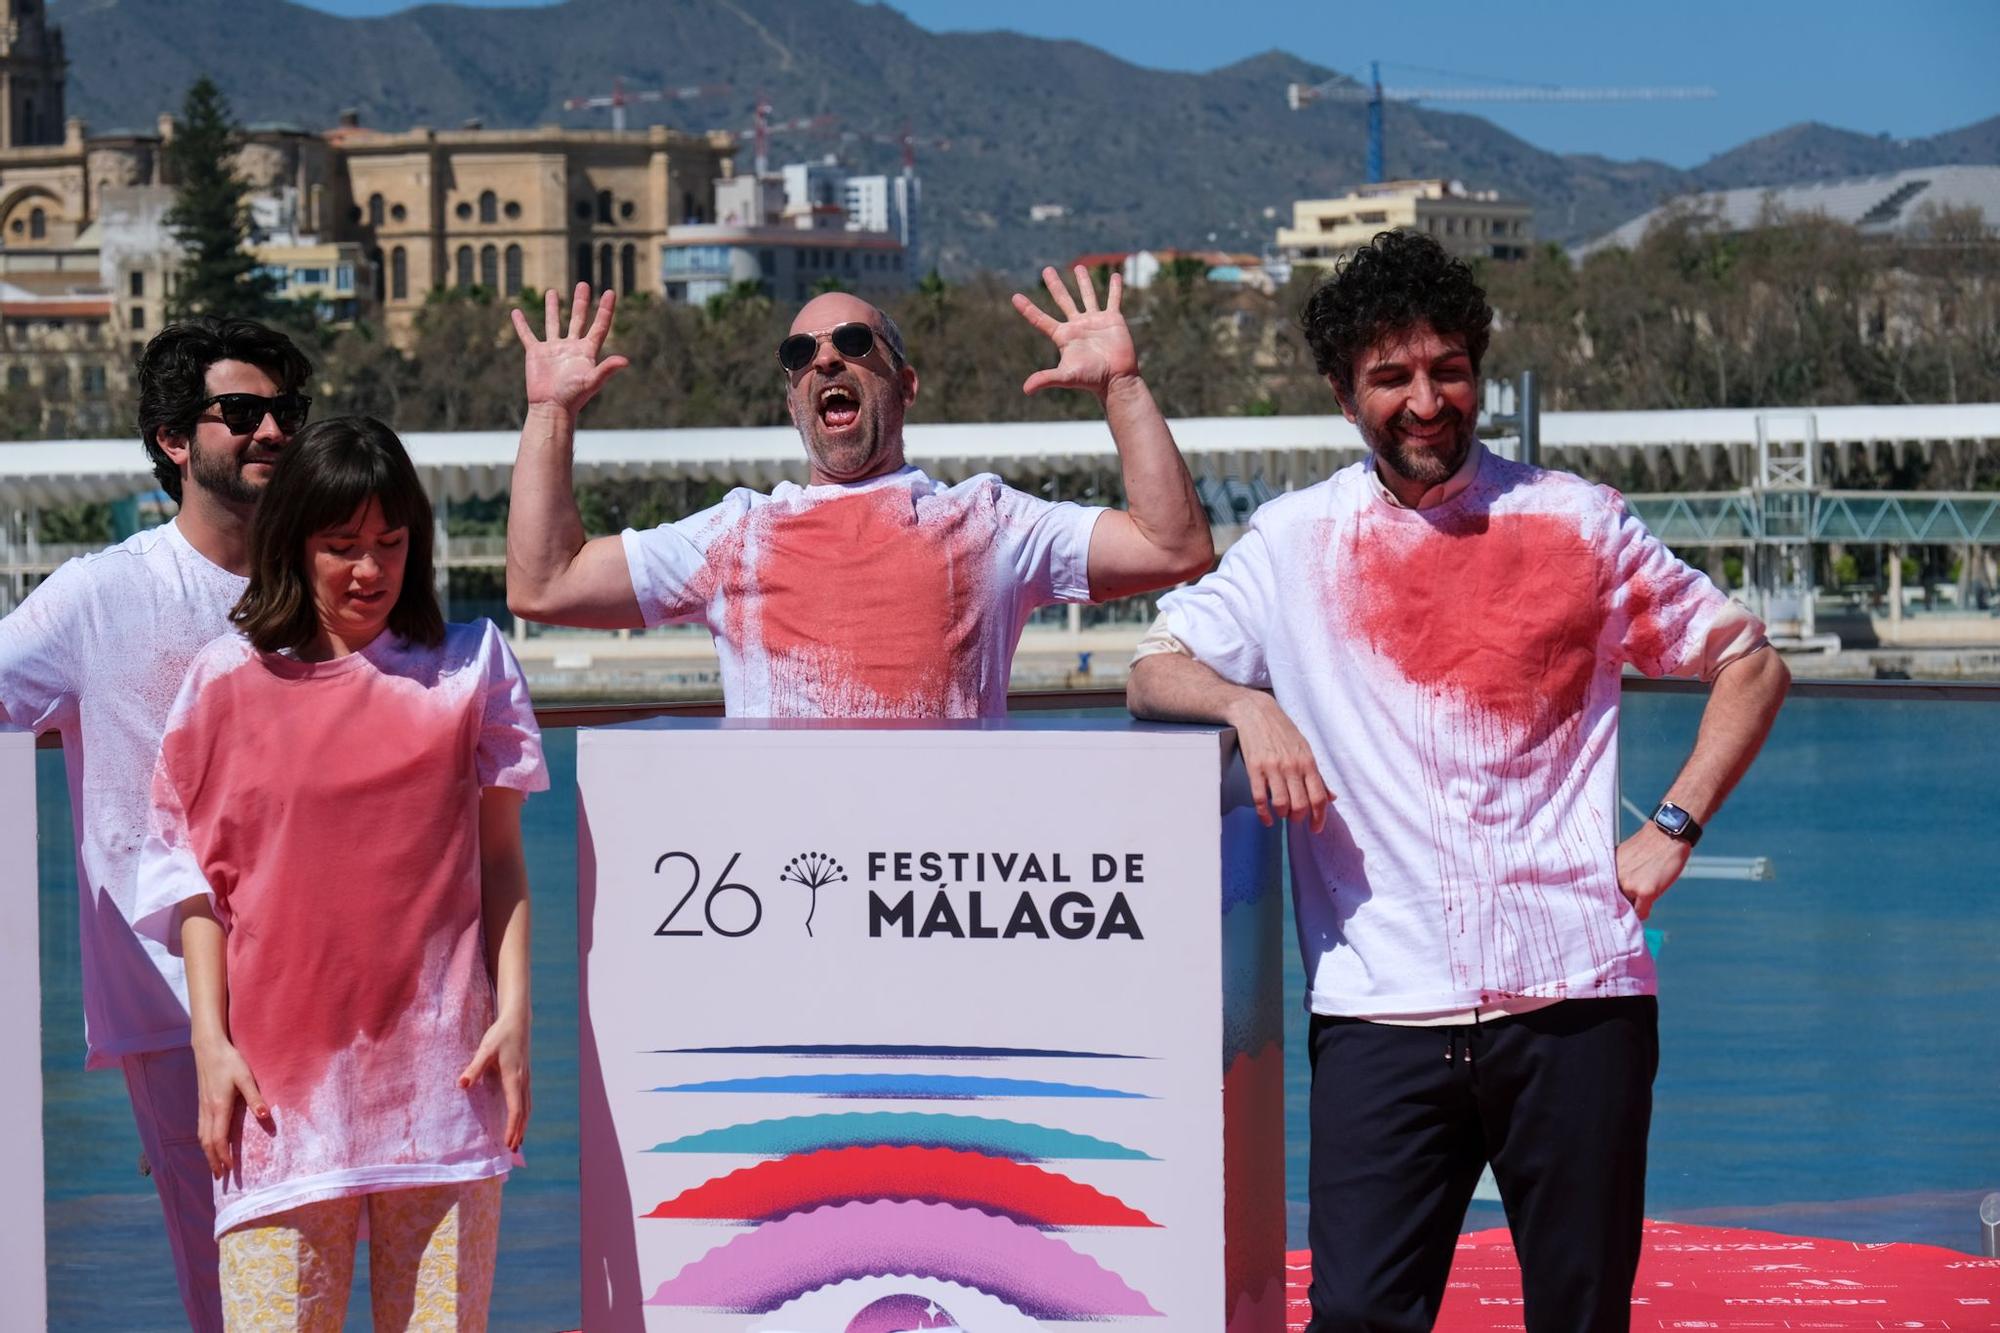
(165, 1103)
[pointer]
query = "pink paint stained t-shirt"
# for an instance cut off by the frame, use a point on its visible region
(894, 597)
(1456, 672)
(331, 812)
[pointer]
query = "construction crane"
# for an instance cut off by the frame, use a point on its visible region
(1343, 89)
(617, 99)
(762, 127)
(907, 141)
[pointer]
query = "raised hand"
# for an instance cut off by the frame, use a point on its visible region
(1095, 348)
(563, 371)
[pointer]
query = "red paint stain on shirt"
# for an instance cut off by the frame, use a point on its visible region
(1503, 611)
(1652, 642)
(337, 821)
(864, 607)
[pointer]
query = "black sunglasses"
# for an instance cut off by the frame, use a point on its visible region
(244, 412)
(852, 341)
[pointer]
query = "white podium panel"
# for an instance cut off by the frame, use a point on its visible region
(941, 1026)
(23, 1270)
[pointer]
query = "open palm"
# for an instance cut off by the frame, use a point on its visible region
(563, 369)
(1093, 346)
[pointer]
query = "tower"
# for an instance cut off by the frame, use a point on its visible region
(31, 76)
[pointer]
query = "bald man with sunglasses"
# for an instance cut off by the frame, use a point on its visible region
(97, 652)
(873, 590)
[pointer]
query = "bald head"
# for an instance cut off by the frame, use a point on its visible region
(829, 310)
(849, 410)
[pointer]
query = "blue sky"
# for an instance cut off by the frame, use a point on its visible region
(1906, 68)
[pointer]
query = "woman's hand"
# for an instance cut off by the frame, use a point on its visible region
(504, 1051)
(223, 1077)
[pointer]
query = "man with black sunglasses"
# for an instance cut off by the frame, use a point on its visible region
(873, 590)
(97, 652)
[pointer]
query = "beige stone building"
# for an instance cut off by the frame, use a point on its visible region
(514, 209)
(363, 223)
(1469, 223)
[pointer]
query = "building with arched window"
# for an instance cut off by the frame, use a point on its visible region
(366, 223)
(552, 206)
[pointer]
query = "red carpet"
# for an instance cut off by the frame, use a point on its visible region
(1694, 1277)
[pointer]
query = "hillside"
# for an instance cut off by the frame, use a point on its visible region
(1139, 156)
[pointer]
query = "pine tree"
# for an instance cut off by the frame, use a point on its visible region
(211, 217)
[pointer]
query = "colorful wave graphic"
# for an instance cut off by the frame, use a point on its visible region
(1026, 1194)
(881, 1051)
(1253, 1181)
(1252, 858)
(890, 1087)
(901, 1314)
(904, 1129)
(1042, 1277)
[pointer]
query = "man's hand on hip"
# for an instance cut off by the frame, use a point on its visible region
(1648, 863)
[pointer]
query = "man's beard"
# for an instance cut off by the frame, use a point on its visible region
(1426, 467)
(851, 457)
(222, 476)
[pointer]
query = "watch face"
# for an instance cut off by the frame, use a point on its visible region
(1671, 818)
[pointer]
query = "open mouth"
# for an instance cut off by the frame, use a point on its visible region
(838, 407)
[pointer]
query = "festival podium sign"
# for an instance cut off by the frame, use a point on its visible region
(904, 1026)
(23, 1270)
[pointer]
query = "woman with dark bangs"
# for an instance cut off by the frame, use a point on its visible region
(336, 848)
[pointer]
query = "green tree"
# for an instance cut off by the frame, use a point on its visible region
(210, 216)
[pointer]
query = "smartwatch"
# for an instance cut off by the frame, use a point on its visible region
(1677, 823)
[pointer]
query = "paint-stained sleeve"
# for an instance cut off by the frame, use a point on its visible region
(1672, 620)
(170, 869)
(1224, 620)
(37, 642)
(510, 741)
(670, 564)
(1048, 543)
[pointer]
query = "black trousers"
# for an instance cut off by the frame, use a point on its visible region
(1558, 1100)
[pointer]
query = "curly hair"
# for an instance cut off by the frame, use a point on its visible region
(173, 376)
(1397, 281)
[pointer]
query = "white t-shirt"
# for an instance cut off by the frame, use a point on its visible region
(893, 597)
(98, 651)
(1455, 670)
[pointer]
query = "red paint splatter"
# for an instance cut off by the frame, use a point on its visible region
(1502, 610)
(1013, 1189)
(313, 810)
(1652, 643)
(864, 605)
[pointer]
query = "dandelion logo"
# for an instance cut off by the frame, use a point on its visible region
(813, 870)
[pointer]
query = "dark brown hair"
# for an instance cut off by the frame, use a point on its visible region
(173, 377)
(1397, 281)
(328, 473)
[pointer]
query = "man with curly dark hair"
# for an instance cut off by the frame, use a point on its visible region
(1441, 633)
(97, 652)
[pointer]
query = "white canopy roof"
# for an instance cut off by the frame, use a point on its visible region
(1285, 451)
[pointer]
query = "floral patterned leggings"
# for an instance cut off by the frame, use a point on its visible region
(430, 1258)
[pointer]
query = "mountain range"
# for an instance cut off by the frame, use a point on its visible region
(1136, 157)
